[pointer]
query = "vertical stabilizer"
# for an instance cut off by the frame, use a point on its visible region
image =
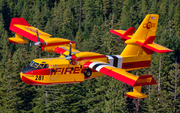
(147, 28)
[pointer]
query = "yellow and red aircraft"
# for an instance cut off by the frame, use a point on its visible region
(74, 66)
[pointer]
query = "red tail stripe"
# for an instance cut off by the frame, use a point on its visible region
(130, 31)
(149, 40)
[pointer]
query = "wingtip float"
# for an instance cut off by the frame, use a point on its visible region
(85, 65)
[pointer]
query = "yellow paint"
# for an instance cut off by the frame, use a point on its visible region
(123, 72)
(136, 92)
(60, 65)
(32, 30)
(18, 39)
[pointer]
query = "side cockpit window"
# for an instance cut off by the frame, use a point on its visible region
(41, 66)
(46, 66)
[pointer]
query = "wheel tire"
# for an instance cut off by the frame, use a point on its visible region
(87, 73)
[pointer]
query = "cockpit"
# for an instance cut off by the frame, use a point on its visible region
(34, 66)
(38, 66)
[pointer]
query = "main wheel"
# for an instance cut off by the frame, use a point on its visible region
(87, 72)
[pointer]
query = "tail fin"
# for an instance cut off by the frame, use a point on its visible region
(147, 28)
(142, 42)
(141, 45)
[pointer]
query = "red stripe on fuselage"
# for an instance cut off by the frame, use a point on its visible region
(46, 71)
(32, 82)
(136, 64)
(88, 58)
(86, 65)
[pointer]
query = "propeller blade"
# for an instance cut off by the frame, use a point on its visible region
(39, 53)
(37, 35)
(70, 50)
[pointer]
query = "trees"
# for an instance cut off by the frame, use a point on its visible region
(88, 23)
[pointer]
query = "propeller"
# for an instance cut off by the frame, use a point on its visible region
(38, 43)
(71, 57)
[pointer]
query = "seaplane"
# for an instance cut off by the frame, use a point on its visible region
(74, 66)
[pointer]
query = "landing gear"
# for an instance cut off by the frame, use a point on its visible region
(87, 72)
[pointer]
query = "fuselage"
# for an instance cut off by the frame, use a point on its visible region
(47, 71)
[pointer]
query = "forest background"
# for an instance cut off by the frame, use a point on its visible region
(87, 22)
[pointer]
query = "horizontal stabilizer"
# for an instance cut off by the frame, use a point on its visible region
(130, 31)
(149, 46)
(125, 35)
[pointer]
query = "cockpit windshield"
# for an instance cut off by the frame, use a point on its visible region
(39, 66)
(31, 63)
(35, 64)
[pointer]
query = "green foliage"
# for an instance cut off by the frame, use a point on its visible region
(88, 23)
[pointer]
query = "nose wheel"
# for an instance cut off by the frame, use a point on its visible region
(87, 73)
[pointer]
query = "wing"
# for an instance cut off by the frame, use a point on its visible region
(65, 50)
(125, 35)
(120, 74)
(21, 27)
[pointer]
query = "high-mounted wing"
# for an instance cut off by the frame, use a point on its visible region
(65, 50)
(22, 29)
(122, 75)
